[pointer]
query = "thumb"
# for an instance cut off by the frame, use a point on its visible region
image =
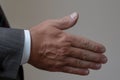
(68, 21)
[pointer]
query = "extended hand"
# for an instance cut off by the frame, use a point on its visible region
(54, 50)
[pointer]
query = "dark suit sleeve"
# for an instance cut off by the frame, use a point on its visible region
(11, 49)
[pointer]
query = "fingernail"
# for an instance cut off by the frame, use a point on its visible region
(103, 49)
(86, 72)
(104, 60)
(98, 65)
(74, 16)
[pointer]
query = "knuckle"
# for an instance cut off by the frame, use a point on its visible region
(80, 64)
(64, 37)
(85, 56)
(65, 50)
(86, 43)
(69, 61)
(67, 38)
(65, 22)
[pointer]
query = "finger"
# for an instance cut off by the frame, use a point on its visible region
(72, 70)
(51, 65)
(67, 21)
(77, 63)
(87, 55)
(81, 42)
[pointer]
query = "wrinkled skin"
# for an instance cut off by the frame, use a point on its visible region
(55, 50)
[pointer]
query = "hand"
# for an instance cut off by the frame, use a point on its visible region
(54, 50)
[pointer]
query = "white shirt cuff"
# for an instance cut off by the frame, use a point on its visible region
(27, 46)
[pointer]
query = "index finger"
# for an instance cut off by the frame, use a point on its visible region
(84, 43)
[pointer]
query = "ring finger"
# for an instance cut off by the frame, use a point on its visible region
(73, 62)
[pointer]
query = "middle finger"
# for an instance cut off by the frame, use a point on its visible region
(87, 55)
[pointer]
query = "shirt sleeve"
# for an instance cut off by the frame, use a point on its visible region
(27, 47)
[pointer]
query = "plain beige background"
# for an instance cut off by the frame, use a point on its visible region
(99, 21)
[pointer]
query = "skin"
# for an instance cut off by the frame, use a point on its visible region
(57, 51)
